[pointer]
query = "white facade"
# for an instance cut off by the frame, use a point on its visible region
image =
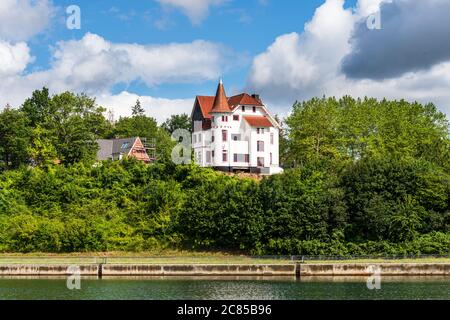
(244, 139)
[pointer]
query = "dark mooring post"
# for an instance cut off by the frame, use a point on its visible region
(298, 267)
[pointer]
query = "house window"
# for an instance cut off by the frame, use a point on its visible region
(272, 138)
(236, 137)
(224, 135)
(243, 108)
(236, 117)
(212, 119)
(195, 138)
(260, 147)
(224, 156)
(213, 153)
(258, 131)
(241, 158)
(224, 118)
(212, 139)
(271, 159)
(208, 156)
(200, 138)
(262, 130)
(254, 109)
(260, 162)
(125, 145)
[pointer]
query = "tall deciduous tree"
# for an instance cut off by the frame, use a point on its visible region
(179, 121)
(349, 129)
(15, 138)
(145, 127)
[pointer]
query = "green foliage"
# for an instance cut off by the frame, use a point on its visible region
(179, 121)
(145, 127)
(137, 109)
(64, 126)
(349, 129)
(370, 177)
(15, 137)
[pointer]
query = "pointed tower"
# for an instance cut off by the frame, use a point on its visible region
(220, 101)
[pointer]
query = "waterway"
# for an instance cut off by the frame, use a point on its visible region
(351, 288)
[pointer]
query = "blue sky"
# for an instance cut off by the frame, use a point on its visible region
(167, 51)
(248, 27)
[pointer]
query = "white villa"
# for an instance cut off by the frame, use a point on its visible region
(235, 134)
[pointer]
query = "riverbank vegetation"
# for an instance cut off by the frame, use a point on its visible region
(363, 177)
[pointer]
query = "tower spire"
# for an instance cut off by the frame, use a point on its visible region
(221, 101)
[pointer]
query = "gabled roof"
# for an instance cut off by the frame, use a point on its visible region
(206, 105)
(244, 99)
(220, 104)
(108, 148)
(258, 121)
(123, 146)
(105, 149)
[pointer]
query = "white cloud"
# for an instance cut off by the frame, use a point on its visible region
(94, 65)
(195, 10)
(301, 66)
(14, 58)
(158, 108)
(304, 62)
(22, 19)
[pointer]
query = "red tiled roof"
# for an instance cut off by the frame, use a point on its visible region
(244, 99)
(258, 121)
(220, 101)
(206, 104)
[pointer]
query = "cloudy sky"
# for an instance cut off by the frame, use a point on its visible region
(166, 52)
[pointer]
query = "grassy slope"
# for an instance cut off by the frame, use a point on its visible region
(178, 257)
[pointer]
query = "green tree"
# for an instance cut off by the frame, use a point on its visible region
(37, 107)
(71, 123)
(137, 110)
(182, 121)
(14, 138)
(349, 129)
(41, 149)
(145, 127)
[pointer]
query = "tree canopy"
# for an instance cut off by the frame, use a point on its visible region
(362, 177)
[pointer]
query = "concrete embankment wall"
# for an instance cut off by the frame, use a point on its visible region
(199, 270)
(47, 270)
(299, 270)
(386, 269)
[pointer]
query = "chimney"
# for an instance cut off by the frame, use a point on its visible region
(256, 97)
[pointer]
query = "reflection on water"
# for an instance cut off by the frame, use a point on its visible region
(251, 288)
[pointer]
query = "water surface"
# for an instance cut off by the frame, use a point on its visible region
(226, 288)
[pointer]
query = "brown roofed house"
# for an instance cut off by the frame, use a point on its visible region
(117, 149)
